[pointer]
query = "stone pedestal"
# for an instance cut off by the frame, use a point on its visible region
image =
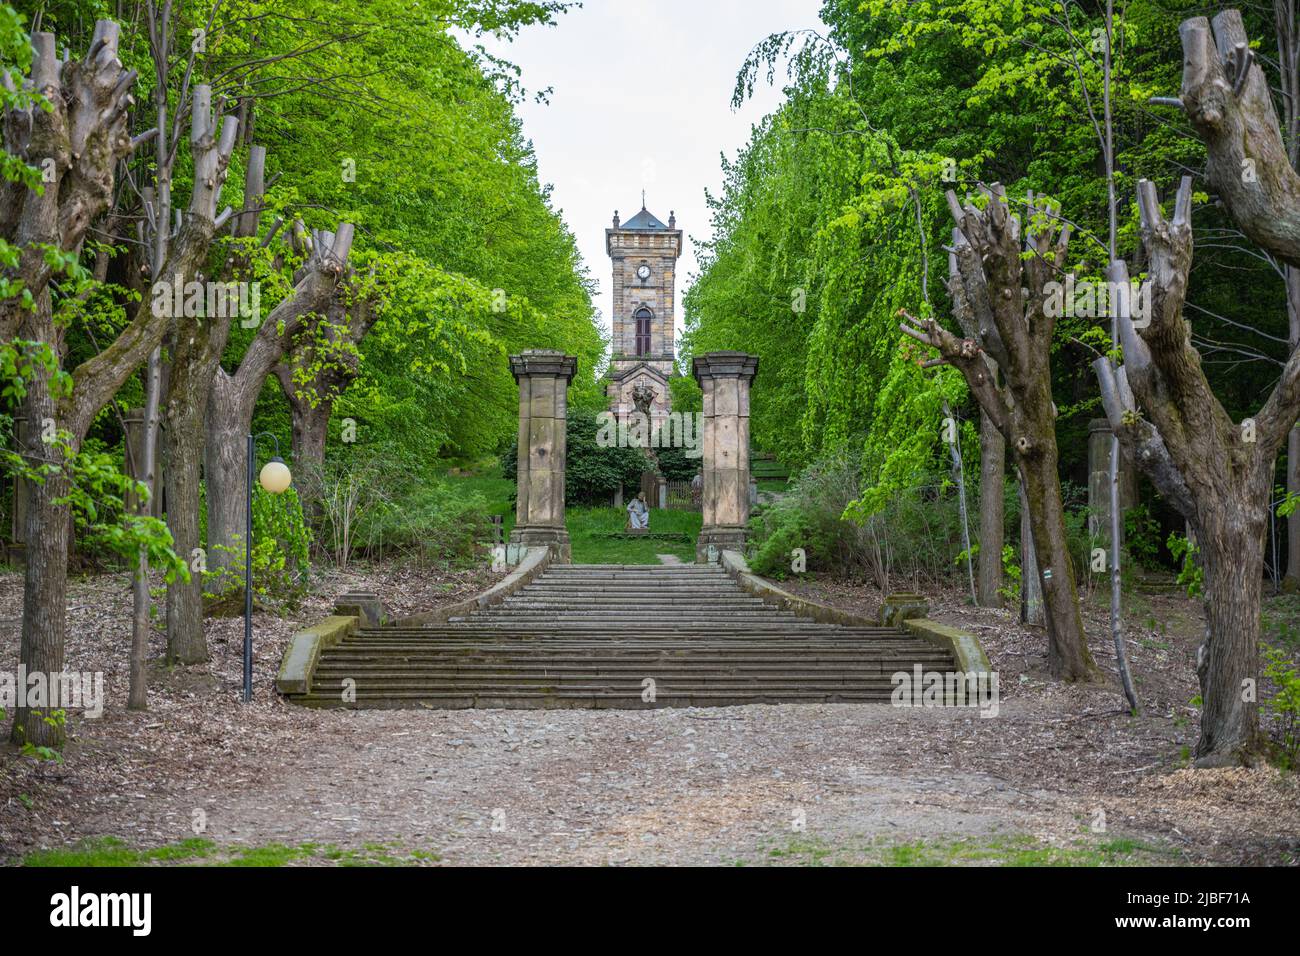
(1099, 445)
(724, 379)
(543, 378)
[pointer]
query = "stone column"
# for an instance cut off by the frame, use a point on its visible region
(724, 379)
(543, 378)
(1099, 445)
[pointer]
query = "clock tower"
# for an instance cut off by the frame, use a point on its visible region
(644, 253)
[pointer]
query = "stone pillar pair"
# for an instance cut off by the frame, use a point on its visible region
(543, 378)
(725, 379)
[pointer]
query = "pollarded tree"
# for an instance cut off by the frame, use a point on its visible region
(999, 290)
(79, 141)
(233, 395)
(1218, 473)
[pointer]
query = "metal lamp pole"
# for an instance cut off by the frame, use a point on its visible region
(275, 480)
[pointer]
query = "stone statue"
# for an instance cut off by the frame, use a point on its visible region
(638, 514)
(643, 397)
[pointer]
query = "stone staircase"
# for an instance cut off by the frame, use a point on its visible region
(620, 637)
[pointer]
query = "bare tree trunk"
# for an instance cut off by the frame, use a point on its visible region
(1292, 580)
(45, 586)
(233, 398)
(1002, 295)
(224, 469)
(186, 643)
(1067, 650)
(1231, 541)
(1031, 585)
(992, 511)
(138, 691)
(310, 429)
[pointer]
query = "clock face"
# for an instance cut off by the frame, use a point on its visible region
(643, 272)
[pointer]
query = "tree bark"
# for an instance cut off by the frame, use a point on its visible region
(1031, 585)
(1001, 294)
(233, 396)
(195, 360)
(1067, 651)
(992, 511)
(1231, 538)
(1217, 472)
(1292, 580)
(45, 585)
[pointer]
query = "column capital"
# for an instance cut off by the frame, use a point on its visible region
(724, 365)
(543, 362)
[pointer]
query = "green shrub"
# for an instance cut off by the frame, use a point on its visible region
(592, 474)
(677, 465)
(1190, 574)
(1142, 537)
(918, 533)
(281, 556)
(1284, 705)
(437, 522)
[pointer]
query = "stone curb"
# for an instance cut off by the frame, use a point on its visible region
(305, 649)
(536, 560)
(966, 648)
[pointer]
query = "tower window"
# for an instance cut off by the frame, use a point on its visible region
(642, 331)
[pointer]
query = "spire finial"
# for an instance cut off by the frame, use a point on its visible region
(643, 199)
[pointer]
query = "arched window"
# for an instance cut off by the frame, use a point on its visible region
(642, 331)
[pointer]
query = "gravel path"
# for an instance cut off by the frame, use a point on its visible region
(686, 787)
(1059, 766)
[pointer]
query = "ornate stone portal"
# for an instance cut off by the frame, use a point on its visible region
(724, 379)
(543, 378)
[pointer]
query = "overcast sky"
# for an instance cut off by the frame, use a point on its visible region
(641, 99)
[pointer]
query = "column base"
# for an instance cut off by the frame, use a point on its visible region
(557, 539)
(719, 539)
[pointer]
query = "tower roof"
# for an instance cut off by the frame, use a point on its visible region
(643, 220)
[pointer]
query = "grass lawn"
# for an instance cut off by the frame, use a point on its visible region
(588, 526)
(1009, 850)
(110, 851)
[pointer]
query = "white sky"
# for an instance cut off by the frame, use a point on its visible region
(641, 99)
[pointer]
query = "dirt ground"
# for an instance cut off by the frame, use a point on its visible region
(1061, 774)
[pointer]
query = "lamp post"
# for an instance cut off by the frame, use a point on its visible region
(275, 478)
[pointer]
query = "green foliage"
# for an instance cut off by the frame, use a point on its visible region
(439, 522)
(1011, 574)
(281, 556)
(56, 719)
(1284, 706)
(1142, 537)
(676, 464)
(916, 533)
(592, 473)
(1190, 575)
(96, 491)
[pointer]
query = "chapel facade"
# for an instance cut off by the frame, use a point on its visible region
(643, 253)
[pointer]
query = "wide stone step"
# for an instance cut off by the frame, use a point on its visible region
(684, 613)
(588, 636)
(480, 658)
(767, 631)
(614, 650)
(581, 700)
(654, 632)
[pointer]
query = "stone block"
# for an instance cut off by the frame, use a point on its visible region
(901, 606)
